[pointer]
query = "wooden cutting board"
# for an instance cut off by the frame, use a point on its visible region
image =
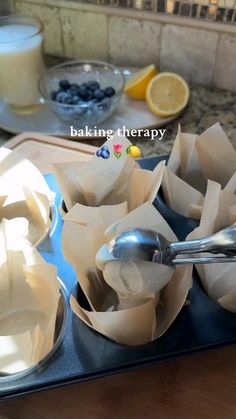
(44, 151)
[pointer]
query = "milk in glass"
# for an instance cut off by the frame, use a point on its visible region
(21, 63)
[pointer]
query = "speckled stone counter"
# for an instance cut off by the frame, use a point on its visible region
(206, 107)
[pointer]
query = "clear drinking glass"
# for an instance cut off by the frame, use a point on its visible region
(21, 62)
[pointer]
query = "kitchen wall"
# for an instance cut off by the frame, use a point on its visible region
(203, 52)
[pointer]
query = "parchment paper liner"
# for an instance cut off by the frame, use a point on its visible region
(120, 309)
(108, 182)
(29, 295)
(219, 211)
(24, 193)
(193, 160)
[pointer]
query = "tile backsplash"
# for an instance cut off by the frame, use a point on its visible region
(203, 53)
(85, 34)
(51, 19)
(132, 41)
(189, 51)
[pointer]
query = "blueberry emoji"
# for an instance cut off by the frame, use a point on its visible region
(99, 152)
(105, 152)
(104, 147)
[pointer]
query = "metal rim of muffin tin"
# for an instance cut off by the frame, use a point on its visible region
(52, 224)
(59, 334)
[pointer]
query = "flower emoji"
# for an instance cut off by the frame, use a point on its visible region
(117, 150)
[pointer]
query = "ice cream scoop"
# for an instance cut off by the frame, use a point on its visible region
(149, 245)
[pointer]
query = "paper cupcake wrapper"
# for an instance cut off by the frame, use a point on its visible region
(197, 158)
(29, 295)
(24, 193)
(193, 160)
(219, 211)
(131, 303)
(108, 181)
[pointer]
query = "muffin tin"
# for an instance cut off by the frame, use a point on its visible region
(84, 354)
(60, 327)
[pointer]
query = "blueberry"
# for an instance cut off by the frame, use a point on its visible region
(88, 96)
(64, 97)
(104, 147)
(53, 94)
(99, 153)
(75, 100)
(99, 94)
(105, 154)
(73, 92)
(74, 89)
(85, 85)
(109, 91)
(59, 96)
(74, 86)
(82, 91)
(93, 85)
(64, 84)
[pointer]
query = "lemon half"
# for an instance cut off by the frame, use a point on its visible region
(136, 85)
(167, 94)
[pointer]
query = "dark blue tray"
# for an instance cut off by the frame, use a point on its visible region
(84, 354)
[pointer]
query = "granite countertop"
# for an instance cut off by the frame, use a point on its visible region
(207, 106)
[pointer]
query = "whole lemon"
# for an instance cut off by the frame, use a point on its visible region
(134, 151)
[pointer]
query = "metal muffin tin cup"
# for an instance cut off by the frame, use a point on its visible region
(52, 226)
(63, 207)
(59, 334)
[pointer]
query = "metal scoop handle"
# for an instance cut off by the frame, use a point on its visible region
(203, 260)
(223, 242)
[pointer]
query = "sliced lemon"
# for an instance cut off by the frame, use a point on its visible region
(167, 94)
(136, 86)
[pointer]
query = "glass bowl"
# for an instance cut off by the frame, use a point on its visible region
(86, 112)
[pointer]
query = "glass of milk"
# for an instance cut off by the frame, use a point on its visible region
(21, 62)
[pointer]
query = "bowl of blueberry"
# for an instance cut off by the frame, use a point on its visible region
(84, 93)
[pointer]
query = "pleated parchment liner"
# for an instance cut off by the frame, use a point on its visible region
(219, 211)
(193, 160)
(29, 296)
(24, 193)
(108, 182)
(131, 302)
